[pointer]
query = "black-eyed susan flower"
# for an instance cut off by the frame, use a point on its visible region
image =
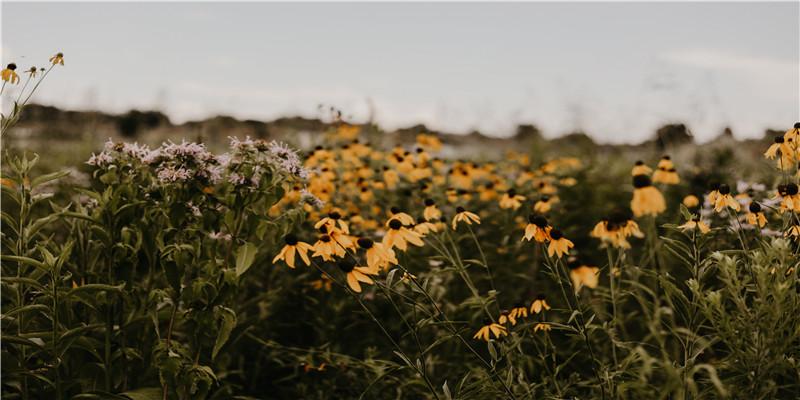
(466, 216)
(424, 227)
(695, 223)
(431, 213)
(537, 228)
(779, 144)
(543, 326)
(539, 304)
(33, 71)
(668, 176)
(519, 311)
(793, 231)
(356, 274)
(333, 221)
(712, 195)
(724, 199)
(793, 134)
(582, 274)
(323, 283)
(543, 205)
(791, 198)
(327, 248)
(9, 75)
(58, 58)
(755, 216)
(399, 236)
(506, 317)
(404, 218)
(496, 329)
(293, 245)
(559, 245)
(691, 201)
(647, 200)
(378, 255)
(641, 169)
(665, 163)
(511, 200)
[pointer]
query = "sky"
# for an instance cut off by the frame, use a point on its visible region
(616, 71)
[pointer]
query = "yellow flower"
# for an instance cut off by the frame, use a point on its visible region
(356, 275)
(543, 205)
(58, 58)
(292, 246)
(665, 163)
(755, 216)
(647, 200)
(378, 256)
(791, 198)
(794, 231)
(537, 229)
(507, 317)
(466, 216)
(539, 304)
(724, 198)
(696, 223)
(32, 71)
(641, 169)
(424, 227)
(327, 248)
(780, 144)
(9, 75)
(404, 218)
(519, 311)
(488, 327)
(691, 201)
(331, 221)
(511, 200)
(582, 274)
(431, 213)
(559, 245)
(543, 326)
(398, 236)
(666, 176)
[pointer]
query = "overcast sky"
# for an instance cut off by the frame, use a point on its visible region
(614, 70)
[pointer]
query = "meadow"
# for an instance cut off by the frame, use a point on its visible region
(353, 268)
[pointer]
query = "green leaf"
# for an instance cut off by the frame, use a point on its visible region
(144, 394)
(47, 178)
(25, 260)
(245, 256)
(446, 391)
(27, 309)
(390, 277)
(228, 323)
(492, 351)
(95, 287)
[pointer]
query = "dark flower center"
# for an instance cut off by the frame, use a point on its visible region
(640, 162)
(540, 296)
(797, 125)
(778, 139)
(556, 234)
(365, 243)
(618, 217)
(782, 190)
(724, 189)
(518, 305)
(511, 193)
(755, 207)
(325, 238)
(506, 312)
(334, 215)
(459, 210)
(641, 181)
(290, 239)
(538, 220)
(323, 229)
(791, 189)
(420, 220)
(429, 202)
(346, 266)
(12, 66)
(395, 224)
(394, 210)
(665, 158)
(714, 185)
(487, 322)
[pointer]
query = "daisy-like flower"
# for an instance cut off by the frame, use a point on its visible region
(793, 134)
(543, 326)
(399, 236)
(466, 216)
(404, 218)
(724, 199)
(496, 329)
(356, 275)
(691, 201)
(668, 176)
(511, 200)
(539, 304)
(292, 246)
(378, 256)
(582, 274)
(647, 200)
(780, 144)
(755, 216)
(58, 58)
(712, 196)
(791, 198)
(424, 227)
(543, 205)
(327, 248)
(793, 231)
(519, 311)
(641, 169)
(559, 245)
(431, 213)
(537, 229)
(9, 75)
(506, 317)
(331, 221)
(696, 223)
(33, 71)
(665, 163)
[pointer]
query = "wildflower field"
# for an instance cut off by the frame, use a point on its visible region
(358, 269)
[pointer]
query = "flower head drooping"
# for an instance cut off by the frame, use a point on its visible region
(511, 200)
(559, 245)
(695, 222)
(356, 274)
(334, 221)
(466, 216)
(496, 329)
(724, 199)
(424, 227)
(378, 255)
(582, 274)
(399, 236)
(791, 198)
(641, 169)
(431, 213)
(327, 248)
(58, 58)
(292, 246)
(539, 304)
(519, 311)
(9, 75)
(755, 216)
(404, 218)
(543, 326)
(647, 200)
(506, 317)
(691, 201)
(537, 229)
(33, 71)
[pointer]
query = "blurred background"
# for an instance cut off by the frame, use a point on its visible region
(613, 73)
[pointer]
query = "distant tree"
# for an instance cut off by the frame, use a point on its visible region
(527, 132)
(672, 134)
(136, 121)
